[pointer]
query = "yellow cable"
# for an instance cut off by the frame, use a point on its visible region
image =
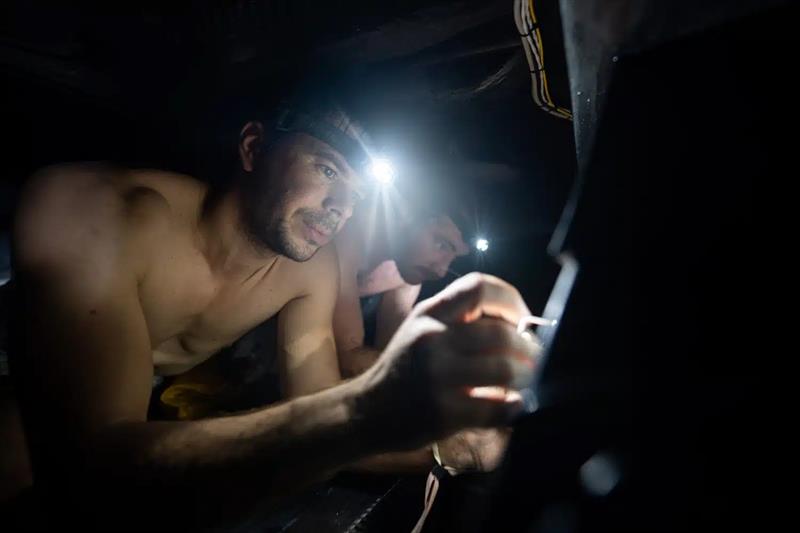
(540, 48)
(534, 51)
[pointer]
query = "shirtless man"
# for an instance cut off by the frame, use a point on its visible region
(391, 259)
(125, 274)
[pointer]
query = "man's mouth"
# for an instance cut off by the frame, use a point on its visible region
(318, 234)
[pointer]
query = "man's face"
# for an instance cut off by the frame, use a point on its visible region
(430, 249)
(297, 196)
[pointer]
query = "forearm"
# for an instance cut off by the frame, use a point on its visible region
(355, 362)
(413, 462)
(216, 469)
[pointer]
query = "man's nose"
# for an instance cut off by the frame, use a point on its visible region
(441, 269)
(339, 202)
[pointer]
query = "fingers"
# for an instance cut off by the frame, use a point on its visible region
(470, 341)
(467, 412)
(499, 371)
(474, 295)
(488, 336)
(487, 352)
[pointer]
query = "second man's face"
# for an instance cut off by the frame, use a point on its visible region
(430, 250)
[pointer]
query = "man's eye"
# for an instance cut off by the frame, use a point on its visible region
(444, 245)
(327, 171)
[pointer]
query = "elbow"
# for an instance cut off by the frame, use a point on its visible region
(357, 360)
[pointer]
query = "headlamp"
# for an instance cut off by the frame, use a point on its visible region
(355, 151)
(381, 170)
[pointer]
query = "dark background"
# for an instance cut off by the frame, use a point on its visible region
(669, 361)
(170, 86)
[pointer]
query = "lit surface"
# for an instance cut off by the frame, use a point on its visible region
(482, 245)
(500, 394)
(382, 170)
(531, 320)
(600, 474)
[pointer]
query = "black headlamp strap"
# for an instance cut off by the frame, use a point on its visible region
(352, 150)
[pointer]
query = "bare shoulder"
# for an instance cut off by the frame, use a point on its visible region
(66, 212)
(72, 188)
(184, 194)
(320, 273)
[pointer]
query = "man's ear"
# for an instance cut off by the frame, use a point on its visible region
(251, 143)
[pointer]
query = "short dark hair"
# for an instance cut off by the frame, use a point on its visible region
(430, 197)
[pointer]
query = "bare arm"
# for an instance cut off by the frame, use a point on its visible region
(395, 306)
(86, 373)
(355, 359)
(348, 325)
(305, 334)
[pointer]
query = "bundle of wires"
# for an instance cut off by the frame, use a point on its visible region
(531, 38)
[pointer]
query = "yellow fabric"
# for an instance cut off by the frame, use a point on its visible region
(196, 394)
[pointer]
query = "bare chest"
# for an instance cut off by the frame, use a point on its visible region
(191, 315)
